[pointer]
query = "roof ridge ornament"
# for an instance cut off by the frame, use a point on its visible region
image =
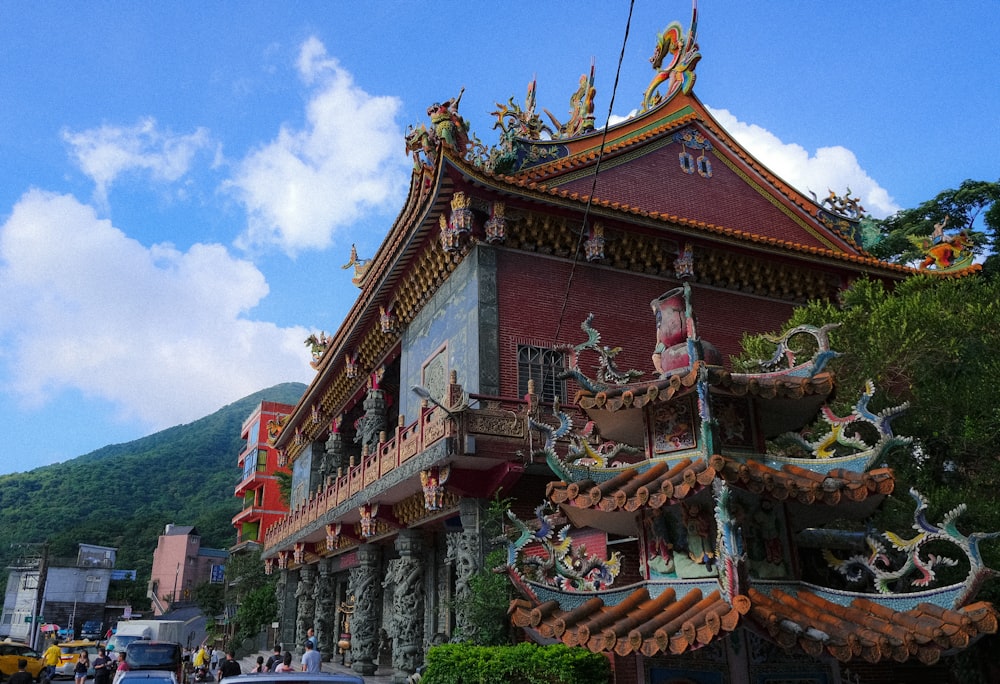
(679, 70)
(448, 129)
(581, 109)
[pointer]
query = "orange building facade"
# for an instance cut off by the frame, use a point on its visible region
(258, 488)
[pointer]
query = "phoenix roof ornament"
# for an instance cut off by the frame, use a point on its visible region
(682, 50)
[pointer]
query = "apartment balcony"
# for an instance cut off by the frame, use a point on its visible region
(252, 480)
(485, 448)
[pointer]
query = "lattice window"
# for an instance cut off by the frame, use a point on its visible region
(543, 366)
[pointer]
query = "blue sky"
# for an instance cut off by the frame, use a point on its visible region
(180, 182)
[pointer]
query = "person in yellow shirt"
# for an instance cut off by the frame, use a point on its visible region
(200, 657)
(51, 658)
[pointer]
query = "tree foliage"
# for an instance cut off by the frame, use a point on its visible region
(252, 591)
(934, 343)
(973, 206)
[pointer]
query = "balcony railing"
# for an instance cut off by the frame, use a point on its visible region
(406, 443)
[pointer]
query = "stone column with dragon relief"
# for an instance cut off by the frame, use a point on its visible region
(285, 595)
(306, 606)
(405, 577)
(366, 588)
(465, 555)
(325, 624)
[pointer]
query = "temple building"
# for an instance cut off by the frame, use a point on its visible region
(527, 331)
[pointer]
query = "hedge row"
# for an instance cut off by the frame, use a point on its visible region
(525, 663)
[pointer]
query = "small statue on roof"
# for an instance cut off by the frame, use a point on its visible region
(317, 347)
(447, 128)
(520, 123)
(684, 57)
(581, 109)
(360, 266)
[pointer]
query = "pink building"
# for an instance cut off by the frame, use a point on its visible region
(179, 565)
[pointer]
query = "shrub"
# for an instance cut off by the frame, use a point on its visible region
(522, 664)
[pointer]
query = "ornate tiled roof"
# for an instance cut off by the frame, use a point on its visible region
(638, 624)
(768, 386)
(866, 629)
(667, 624)
(663, 484)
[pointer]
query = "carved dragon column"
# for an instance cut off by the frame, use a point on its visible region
(285, 595)
(307, 605)
(465, 554)
(406, 577)
(366, 588)
(374, 422)
(325, 596)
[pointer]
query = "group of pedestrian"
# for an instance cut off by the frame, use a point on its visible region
(280, 661)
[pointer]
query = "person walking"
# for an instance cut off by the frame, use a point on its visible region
(121, 667)
(274, 659)
(310, 659)
(51, 658)
(230, 666)
(286, 663)
(82, 668)
(102, 667)
(22, 676)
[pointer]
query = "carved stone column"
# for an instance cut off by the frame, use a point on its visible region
(366, 587)
(306, 607)
(326, 611)
(465, 554)
(287, 605)
(373, 422)
(406, 578)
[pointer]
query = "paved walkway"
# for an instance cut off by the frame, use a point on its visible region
(382, 676)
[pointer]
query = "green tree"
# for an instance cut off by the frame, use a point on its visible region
(934, 343)
(210, 597)
(972, 206)
(485, 605)
(252, 592)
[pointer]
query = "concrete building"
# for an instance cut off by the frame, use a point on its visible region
(62, 591)
(180, 564)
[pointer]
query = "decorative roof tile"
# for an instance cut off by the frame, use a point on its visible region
(866, 629)
(637, 624)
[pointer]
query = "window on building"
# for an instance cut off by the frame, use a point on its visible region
(29, 581)
(261, 460)
(93, 584)
(543, 366)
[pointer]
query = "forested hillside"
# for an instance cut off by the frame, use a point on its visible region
(124, 494)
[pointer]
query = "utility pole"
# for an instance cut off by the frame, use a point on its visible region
(43, 573)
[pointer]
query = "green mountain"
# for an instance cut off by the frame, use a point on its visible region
(124, 495)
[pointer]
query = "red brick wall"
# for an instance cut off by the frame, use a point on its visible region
(531, 290)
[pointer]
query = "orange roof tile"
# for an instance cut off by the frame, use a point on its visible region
(638, 624)
(866, 629)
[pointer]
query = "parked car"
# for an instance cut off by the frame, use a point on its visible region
(92, 630)
(11, 652)
(146, 677)
(163, 656)
(295, 678)
(71, 651)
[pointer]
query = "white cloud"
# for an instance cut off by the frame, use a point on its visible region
(830, 168)
(307, 184)
(161, 334)
(105, 153)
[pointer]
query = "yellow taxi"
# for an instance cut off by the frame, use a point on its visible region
(11, 652)
(71, 651)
